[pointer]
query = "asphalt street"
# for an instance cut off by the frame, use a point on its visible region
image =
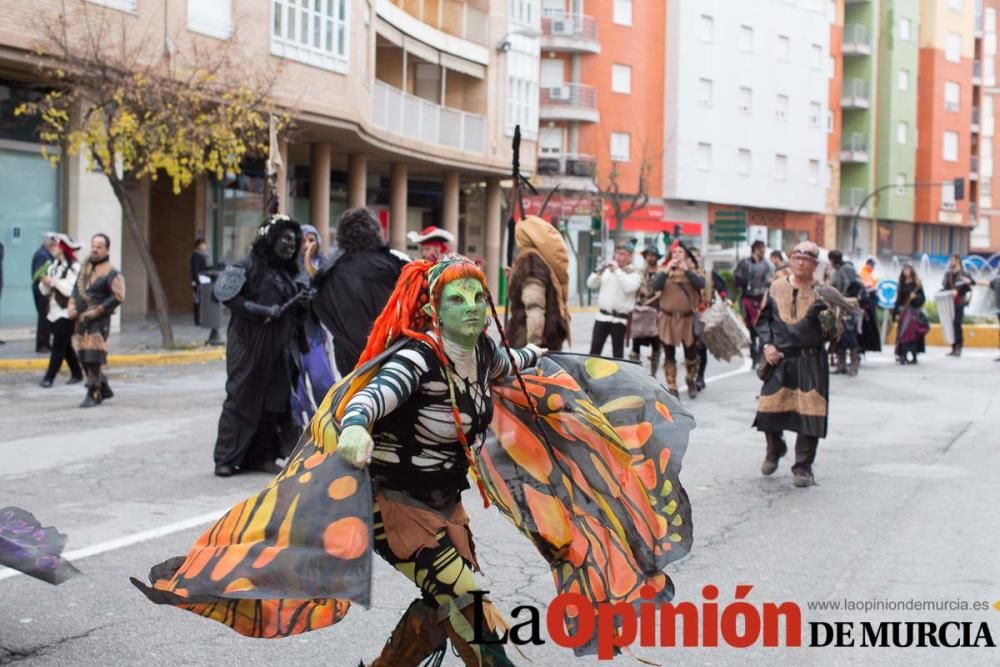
(905, 508)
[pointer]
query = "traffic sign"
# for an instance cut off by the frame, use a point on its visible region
(730, 226)
(886, 293)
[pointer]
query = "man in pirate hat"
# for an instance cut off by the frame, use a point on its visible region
(434, 242)
(644, 329)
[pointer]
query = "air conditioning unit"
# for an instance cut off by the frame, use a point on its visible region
(781, 114)
(563, 27)
(560, 93)
(948, 206)
(745, 108)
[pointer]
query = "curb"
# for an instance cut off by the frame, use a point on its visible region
(139, 359)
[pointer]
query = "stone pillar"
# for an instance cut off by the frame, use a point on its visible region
(282, 185)
(492, 236)
(397, 206)
(319, 190)
(357, 180)
(449, 205)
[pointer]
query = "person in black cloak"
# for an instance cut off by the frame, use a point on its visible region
(355, 284)
(261, 292)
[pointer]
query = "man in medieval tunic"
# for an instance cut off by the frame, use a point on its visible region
(99, 291)
(793, 326)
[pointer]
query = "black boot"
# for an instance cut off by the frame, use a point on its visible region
(106, 392)
(776, 448)
(93, 398)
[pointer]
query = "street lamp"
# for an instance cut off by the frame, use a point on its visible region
(503, 46)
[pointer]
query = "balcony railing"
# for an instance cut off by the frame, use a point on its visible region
(974, 166)
(855, 94)
(558, 24)
(577, 95)
(850, 199)
(418, 119)
(854, 148)
(568, 164)
(975, 119)
(977, 71)
(857, 40)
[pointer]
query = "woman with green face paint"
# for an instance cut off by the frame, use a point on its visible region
(413, 425)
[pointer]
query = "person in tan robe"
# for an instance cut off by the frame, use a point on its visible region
(680, 283)
(539, 287)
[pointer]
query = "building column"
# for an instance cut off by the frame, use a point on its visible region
(397, 206)
(449, 205)
(282, 185)
(319, 190)
(492, 235)
(357, 180)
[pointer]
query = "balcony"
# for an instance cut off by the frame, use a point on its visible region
(975, 119)
(460, 18)
(417, 119)
(977, 72)
(569, 33)
(854, 148)
(855, 95)
(974, 168)
(850, 200)
(857, 40)
(569, 102)
(568, 164)
(979, 25)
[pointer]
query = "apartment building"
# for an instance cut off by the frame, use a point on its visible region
(834, 122)
(746, 111)
(985, 235)
(406, 106)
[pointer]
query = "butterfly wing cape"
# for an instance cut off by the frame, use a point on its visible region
(29, 547)
(599, 496)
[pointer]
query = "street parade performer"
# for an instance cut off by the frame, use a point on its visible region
(794, 323)
(264, 330)
(539, 286)
(99, 290)
(596, 490)
(680, 282)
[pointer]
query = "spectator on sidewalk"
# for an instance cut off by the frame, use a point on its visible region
(617, 283)
(39, 265)
(57, 285)
(752, 277)
(643, 323)
(199, 264)
(959, 283)
(99, 291)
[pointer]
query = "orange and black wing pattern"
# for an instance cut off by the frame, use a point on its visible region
(293, 557)
(600, 495)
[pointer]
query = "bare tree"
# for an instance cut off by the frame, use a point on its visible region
(138, 107)
(622, 199)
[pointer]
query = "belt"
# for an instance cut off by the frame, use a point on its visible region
(611, 313)
(675, 315)
(802, 352)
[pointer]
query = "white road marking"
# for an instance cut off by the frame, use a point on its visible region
(129, 540)
(170, 528)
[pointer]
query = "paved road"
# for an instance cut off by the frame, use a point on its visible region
(906, 508)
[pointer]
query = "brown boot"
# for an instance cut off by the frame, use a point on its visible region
(417, 635)
(670, 372)
(776, 448)
(691, 376)
(654, 361)
(458, 619)
(841, 365)
(855, 364)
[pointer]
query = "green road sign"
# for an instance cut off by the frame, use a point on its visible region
(730, 226)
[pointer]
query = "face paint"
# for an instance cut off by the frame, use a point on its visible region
(463, 311)
(284, 246)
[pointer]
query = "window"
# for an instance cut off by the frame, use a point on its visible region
(784, 48)
(707, 28)
(123, 5)
(905, 29)
(743, 163)
(950, 146)
(900, 184)
(523, 71)
(830, 122)
(623, 12)
(210, 17)
(831, 11)
(948, 195)
(746, 39)
(781, 108)
(745, 99)
(620, 146)
(553, 71)
(902, 132)
(814, 172)
(705, 92)
(815, 114)
(705, 157)
(952, 96)
(953, 48)
(903, 79)
(621, 79)
(781, 167)
(314, 35)
(990, 21)
(985, 193)
(550, 141)
(522, 11)
(816, 56)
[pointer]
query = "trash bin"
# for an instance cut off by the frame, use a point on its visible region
(209, 308)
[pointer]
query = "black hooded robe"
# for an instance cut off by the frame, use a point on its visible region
(255, 426)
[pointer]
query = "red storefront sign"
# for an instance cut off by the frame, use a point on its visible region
(650, 218)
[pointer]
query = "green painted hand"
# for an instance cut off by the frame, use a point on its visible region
(355, 446)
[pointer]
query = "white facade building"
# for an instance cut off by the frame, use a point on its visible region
(746, 103)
